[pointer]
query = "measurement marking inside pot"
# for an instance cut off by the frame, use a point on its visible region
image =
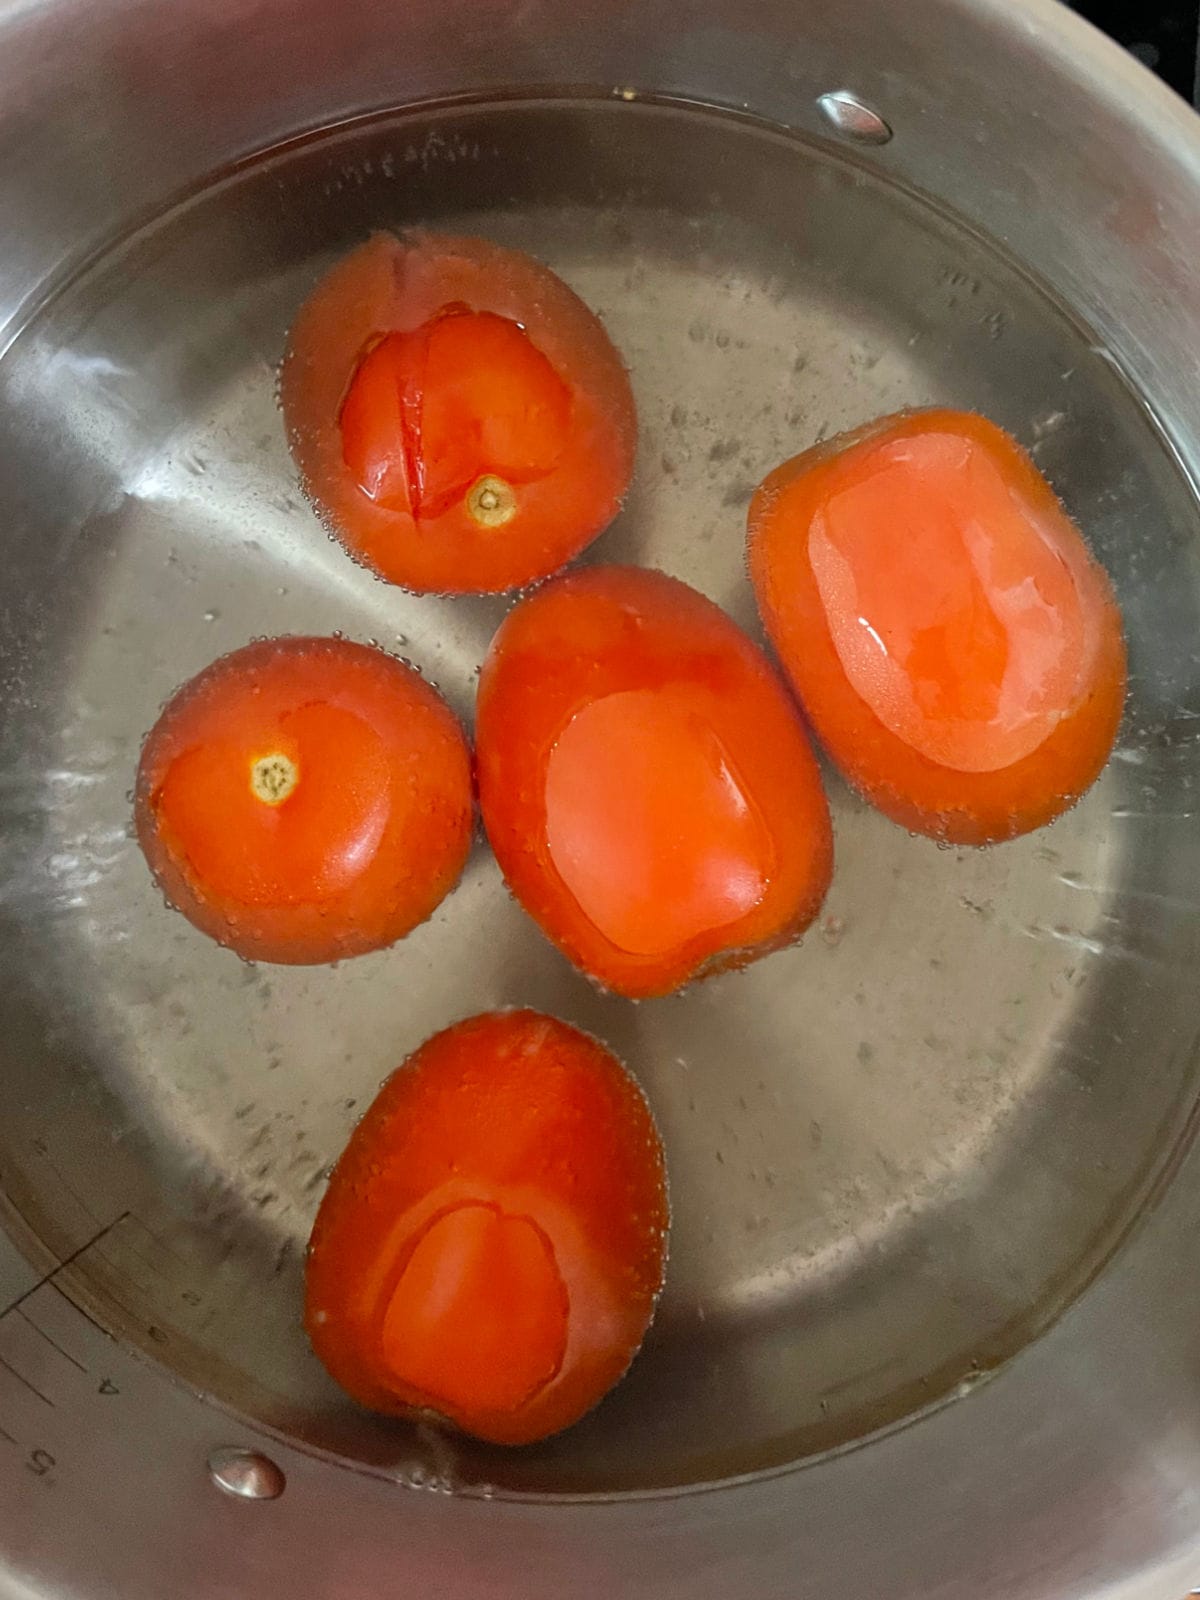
(62, 1266)
(31, 1386)
(53, 1343)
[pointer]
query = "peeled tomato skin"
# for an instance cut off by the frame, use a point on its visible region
(922, 794)
(646, 782)
(404, 285)
(493, 1239)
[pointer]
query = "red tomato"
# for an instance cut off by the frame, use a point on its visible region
(301, 800)
(493, 1240)
(957, 649)
(646, 783)
(458, 415)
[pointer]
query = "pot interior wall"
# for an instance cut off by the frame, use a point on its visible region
(897, 1151)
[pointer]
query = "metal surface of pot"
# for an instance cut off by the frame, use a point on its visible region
(934, 1190)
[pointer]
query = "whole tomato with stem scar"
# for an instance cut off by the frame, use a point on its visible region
(305, 799)
(493, 1239)
(460, 419)
(646, 782)
(956, 647)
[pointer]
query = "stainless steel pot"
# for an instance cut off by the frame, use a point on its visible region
(929, 1329)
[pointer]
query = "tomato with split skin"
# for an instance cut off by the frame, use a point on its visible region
(305, 799)
(460, 418)
(493, 1240)
(646, 782)
(956, 647)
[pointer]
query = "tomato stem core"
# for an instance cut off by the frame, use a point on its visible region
(492, 502)
(273, 778)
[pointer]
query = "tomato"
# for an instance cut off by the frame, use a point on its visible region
(459, 417)
(493, 1239)
(957, 649)
(301, 800)
(646, 783)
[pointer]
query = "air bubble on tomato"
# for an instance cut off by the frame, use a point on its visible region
(305, 799)
(646, 782)
(492, 1243)
(956, 647)
(459, 417)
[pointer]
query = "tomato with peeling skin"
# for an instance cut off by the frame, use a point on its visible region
(459, 417)
(302, 800)
(493, 1240)
(956, 647)
(646, 782)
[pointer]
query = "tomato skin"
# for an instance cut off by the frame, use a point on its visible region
(509, 1120)
(719, 855)
(373, 837)
(926, 795)
(573, 481)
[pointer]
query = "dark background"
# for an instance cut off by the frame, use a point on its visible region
(1162, 33)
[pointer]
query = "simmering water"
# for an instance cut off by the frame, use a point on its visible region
(896, 1151)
